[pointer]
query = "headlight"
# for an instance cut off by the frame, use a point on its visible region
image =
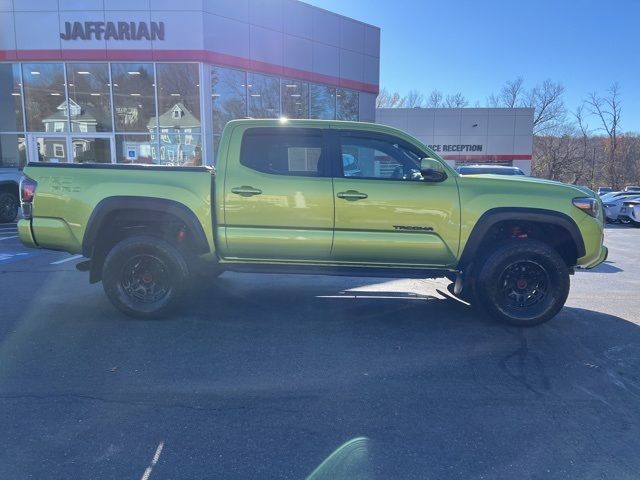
(588, 205)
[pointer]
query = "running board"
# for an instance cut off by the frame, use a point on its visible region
(381, 272)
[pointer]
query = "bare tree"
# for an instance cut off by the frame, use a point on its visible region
(608, 111)
(588, 150)
(510, 95)
(414, 99)
(389, 100)
(558, 156)
(548, 105)
(456, 100)
(546, 100)
(435, 99)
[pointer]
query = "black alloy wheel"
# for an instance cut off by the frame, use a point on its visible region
(523, 282)
(145, 276)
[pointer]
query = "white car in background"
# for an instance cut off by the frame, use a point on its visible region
(630, 212)
(613, 204)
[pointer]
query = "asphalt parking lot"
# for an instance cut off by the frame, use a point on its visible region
(265, 376)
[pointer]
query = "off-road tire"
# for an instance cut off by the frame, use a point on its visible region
(522, 283)
(138, 266)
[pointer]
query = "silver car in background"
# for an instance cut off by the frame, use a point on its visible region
(630, 212)
(613, 203)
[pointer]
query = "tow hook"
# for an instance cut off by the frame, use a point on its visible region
(457, 288)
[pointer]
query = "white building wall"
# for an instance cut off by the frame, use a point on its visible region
(469, 135)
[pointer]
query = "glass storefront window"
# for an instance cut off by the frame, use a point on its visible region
(120, 98)
(228, 96)
(89, 97)
(10, 99)
(133, 96)
(295, 98)
(180, 149)
(13, 151)
(51, 149)
(178, 96)
(264, 96)
(347, 103)
(91, 149)
(323, 102)
(136, 149)
(45, 100)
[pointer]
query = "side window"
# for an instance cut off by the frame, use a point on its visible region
(378, 157)
(284, 151)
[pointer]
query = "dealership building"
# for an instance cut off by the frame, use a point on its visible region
(155, 81)
(468, 136)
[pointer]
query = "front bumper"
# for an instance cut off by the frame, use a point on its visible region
(604, 254)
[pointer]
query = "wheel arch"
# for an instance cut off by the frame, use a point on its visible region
(135, 211)
(495, 217)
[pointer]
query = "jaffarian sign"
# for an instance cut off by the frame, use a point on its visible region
(113, 31)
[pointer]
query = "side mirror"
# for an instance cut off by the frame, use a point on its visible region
(432, 170)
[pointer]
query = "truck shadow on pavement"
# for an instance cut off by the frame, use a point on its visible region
(264, 376)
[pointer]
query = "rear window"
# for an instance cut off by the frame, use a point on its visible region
(288, 151)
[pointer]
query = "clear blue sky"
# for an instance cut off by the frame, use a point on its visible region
(474, 46)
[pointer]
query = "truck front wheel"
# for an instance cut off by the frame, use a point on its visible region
(144, 276)
(523, 283)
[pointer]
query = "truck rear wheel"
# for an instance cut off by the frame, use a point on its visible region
(523, 283)
(8, 207)
(144, 276)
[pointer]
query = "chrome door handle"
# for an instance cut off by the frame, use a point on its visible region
(352, 195)
(246, 191)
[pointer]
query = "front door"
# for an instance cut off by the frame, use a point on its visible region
(278, 200)
(385, 213)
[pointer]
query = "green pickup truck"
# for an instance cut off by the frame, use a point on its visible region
(316, 197)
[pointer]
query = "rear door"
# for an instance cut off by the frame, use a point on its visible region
(278, 195)
(385, 212)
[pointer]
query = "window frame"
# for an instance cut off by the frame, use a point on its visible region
(326, 142)
(338, 167)
(55, 150)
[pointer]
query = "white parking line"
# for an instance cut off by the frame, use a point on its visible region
(154, 461)
(64, 260)
(8, 238)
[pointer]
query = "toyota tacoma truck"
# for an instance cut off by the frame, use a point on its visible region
(316, 197)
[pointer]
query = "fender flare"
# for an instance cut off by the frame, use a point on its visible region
(496, 215)
(109, 205)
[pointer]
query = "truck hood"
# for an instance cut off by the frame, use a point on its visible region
(516, 182)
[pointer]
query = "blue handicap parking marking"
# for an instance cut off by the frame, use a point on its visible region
(12, 250)
(10, 257)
